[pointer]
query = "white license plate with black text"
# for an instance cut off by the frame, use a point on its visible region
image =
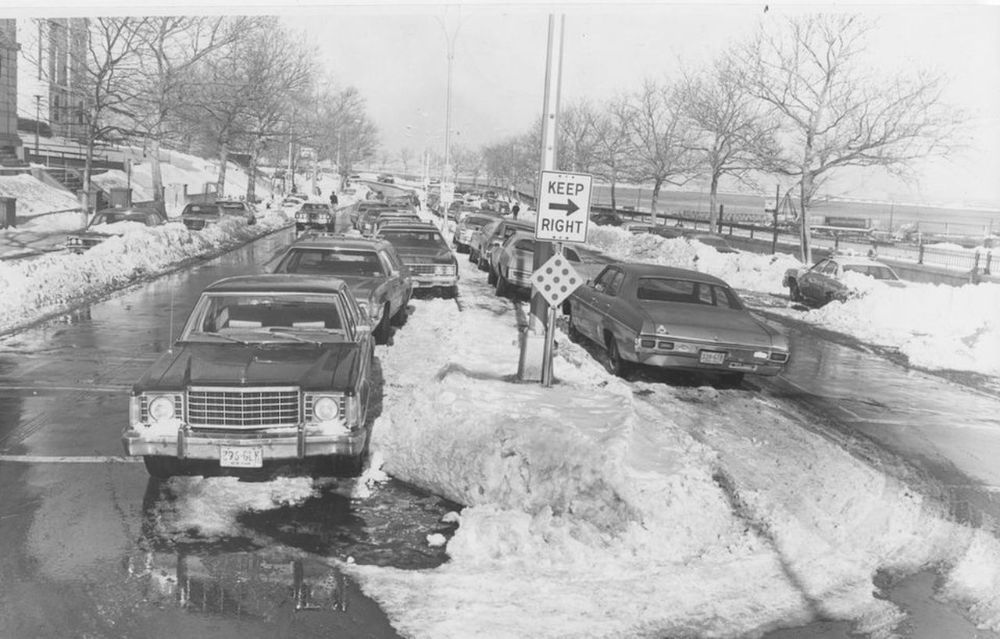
(711, 357)
(241, 457)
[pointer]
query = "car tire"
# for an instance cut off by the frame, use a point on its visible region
(491, 277)
(617, 364)
(400, 317)
(160, 467)
(483, 264)
(384, 328)
(573, 332)
(793, 291)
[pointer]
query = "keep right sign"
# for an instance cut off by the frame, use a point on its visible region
(564, 207)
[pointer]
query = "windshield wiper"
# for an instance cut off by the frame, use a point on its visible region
(292, 336)
(225, 337)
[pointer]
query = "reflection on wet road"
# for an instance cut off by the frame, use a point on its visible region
(89, 546)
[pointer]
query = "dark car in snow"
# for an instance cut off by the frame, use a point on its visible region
(425, 252)
(377, 276)
(108, 223)
(198, 215)
(830, 279)
(269, 370)
(316, 216)
(675, 319)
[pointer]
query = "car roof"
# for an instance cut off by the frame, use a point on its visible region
(640, 269)
(329, 240)
(855, 260)
(277, 283)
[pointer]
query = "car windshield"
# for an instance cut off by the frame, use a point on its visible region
(877, 271)
(333, 261)
(663, 289)
(265, 317)
(314, 208)
(413, 238)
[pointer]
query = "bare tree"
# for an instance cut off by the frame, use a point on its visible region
(731, 131)
(613, 144)
(833, 114)
(405, 155)
(660, 138)
(577, 137)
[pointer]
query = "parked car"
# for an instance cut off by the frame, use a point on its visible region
(315, 216)
(425, 252)
(269, 369)
(637, 228)
(717, 242)
(607, 218)
(376, 274)
(676, 319)
(198, 215)
(494, 237)
(668, 232)
(291, 203)
(385, 178)
(514, 262)
(392, 216)
(364, 214)
(111, 223)
(825, 282)
(467, 226)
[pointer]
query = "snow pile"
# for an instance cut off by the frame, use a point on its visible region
(115, 179)
(601, 509)
(54, 283)
(35, 197)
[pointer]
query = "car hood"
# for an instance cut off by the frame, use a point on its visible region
(708, 323)
(362, 286)
(329, 366)
(434, 255)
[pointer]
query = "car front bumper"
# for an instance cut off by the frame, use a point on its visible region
(287, 444)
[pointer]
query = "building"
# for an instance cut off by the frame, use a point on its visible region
(51, 75)
(9, 140)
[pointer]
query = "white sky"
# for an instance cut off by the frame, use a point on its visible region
(395, 54)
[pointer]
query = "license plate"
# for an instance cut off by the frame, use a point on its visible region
(711, 357)
(232, 457)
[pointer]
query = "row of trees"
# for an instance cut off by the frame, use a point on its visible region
(217, 86)
(798, 103)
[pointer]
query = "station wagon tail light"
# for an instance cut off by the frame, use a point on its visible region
(647, 343)
(779, 357)
(667, 346)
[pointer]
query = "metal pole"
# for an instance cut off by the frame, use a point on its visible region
(38, 109)
(532, 361)
(447, 113)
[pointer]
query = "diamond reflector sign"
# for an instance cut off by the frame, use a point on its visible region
(555, 280)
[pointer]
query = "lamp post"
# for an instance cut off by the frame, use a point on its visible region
(38, 115)
(450, 40)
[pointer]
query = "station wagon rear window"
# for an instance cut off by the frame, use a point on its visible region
(662, 289)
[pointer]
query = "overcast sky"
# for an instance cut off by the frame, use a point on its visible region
(396, 55)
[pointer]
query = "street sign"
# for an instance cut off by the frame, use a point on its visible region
(555, 280)
(447, 194)
(564, 207)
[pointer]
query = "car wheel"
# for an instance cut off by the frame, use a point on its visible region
(491, 277)
(483, 264)
(162, 467)
(574, 333)
(400, 317)
(502, 289)
(793, 292)
(618, 365)
(384, 328)
(472, 255)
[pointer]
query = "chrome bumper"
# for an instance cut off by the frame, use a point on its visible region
(188, 443)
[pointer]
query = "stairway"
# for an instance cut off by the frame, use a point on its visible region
(9, 159)
(70, 178)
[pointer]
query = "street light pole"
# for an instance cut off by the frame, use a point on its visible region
(38, 111)
(450, 40)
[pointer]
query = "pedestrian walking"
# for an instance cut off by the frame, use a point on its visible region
(514, 210)
(333, 198)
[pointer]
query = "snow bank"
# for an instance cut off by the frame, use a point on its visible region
(113, 178)
(598, 509)
(54, 283)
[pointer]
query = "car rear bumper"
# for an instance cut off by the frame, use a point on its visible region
(187, 443)
(691, 363)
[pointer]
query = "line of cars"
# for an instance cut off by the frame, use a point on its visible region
(276, 370)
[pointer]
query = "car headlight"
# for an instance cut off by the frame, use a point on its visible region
(161, 408)
(301, 217)
(325, 409)
(323, 218)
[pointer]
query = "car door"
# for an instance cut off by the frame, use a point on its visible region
(395, 287)
(810, 281)
(608, 308)
(585, 311)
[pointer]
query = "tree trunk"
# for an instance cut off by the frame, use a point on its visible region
(804, 239)
(154, 145)
(655, 199)
(614, 206)
(713, 203)
(220, 185)
(252, 175)
(88, 165)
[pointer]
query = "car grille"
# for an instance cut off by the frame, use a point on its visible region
(243, 407)
(422, 269)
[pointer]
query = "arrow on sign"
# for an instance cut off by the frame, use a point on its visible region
(570, 207)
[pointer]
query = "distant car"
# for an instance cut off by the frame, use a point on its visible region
(376, 274)
(607, 218)
(824, 281)
(385, 178)
(425, 252)
(392, 216)
(268, 370)
(467, 226)
(667, 232)
(491, 239)
(513, 264)
(198, 215)
(108, 223)
(637, 228)
(676, 319)
(315, 216)
(717, 242)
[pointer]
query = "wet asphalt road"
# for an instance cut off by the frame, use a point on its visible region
(86, 548)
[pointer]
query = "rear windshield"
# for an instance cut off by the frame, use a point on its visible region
(414, 238)
(877, 271)
(332, 262)
(662, 289)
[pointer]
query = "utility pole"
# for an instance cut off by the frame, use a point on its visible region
(533, 342)
(38, 110)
